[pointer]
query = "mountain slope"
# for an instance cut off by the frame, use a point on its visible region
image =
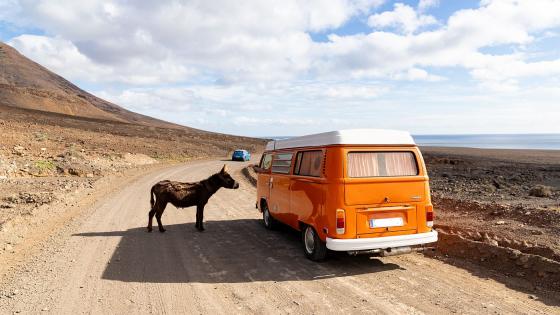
(26, 84)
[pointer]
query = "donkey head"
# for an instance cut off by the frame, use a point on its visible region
(226, 180)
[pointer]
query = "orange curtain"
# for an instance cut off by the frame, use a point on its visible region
(310, 164)
(400, 164)
(374, 164)
(363, 164)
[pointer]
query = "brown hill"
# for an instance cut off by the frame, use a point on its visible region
(26, 84)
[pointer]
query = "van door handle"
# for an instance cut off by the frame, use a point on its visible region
(270, 183)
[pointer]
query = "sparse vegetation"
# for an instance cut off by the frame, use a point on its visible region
(40, 136)
(541, 191)
(44, 166)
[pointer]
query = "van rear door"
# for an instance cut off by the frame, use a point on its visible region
(385, 188)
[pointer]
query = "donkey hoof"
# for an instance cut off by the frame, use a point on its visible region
(200, 229)
(149, 230)
(162, 230)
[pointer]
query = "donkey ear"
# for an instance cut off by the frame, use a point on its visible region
(224, 169)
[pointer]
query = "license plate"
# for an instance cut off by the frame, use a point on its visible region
(385, 222)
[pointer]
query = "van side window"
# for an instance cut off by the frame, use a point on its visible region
(381, 164)
(266, 161)
(308, 163)
(282, 163)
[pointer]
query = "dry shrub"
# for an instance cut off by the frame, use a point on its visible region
(541, 191)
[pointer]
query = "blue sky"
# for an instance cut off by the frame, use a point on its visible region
(275, 68)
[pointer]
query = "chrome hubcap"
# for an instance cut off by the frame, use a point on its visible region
(309, 240)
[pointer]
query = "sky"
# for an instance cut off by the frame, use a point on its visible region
(294, 67)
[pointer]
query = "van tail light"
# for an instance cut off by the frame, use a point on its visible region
(340, 221)
(430, 215)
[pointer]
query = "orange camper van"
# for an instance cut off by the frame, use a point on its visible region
(359, 191)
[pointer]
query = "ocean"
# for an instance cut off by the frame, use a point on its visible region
(501, 141)
(486, 141)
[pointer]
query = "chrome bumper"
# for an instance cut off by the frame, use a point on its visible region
(381, 242)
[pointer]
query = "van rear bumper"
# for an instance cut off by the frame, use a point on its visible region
(381, 242)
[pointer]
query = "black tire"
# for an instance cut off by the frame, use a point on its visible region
(268, 220)
(313, 247)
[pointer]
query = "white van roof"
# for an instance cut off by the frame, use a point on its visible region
(348, 136)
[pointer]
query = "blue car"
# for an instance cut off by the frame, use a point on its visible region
(241, 155)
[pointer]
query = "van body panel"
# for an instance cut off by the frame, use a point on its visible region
(382, 192)
(374, 207)
(280, 197)
(307, 201)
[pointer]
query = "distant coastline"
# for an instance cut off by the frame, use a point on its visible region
(484, 141)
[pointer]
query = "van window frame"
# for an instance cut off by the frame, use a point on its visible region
(266, 170)
(275, 154)
(383, 151)
(297, 159)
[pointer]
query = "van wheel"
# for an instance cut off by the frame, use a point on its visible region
(314, 248)
(268, 220)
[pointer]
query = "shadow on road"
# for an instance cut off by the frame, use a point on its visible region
(227, 252)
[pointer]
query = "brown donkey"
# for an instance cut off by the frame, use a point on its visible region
(183, 195)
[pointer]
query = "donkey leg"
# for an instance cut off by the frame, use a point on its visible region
(159, 213)
(199, 217)
(150, 218)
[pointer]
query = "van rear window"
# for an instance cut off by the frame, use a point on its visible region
(381, 164)
(282, 163)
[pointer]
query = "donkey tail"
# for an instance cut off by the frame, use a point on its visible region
(152, 201)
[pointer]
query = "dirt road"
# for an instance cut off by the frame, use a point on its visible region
(107, 263)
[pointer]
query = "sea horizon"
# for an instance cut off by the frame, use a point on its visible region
(525, 141)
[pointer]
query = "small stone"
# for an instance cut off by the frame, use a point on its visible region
(532, 297)
(514, 254)
(500, 222)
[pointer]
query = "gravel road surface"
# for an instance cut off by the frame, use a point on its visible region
(106, 263)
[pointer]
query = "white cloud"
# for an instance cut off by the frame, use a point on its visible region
(63, 57)
(456, 44)
(403, 17)
(185, 41)
(59, 55)
(212, 64)
(416, 74)
(260, 40)
(423, 5)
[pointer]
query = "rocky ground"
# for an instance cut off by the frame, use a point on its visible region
(45, 157)
(500, 209)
